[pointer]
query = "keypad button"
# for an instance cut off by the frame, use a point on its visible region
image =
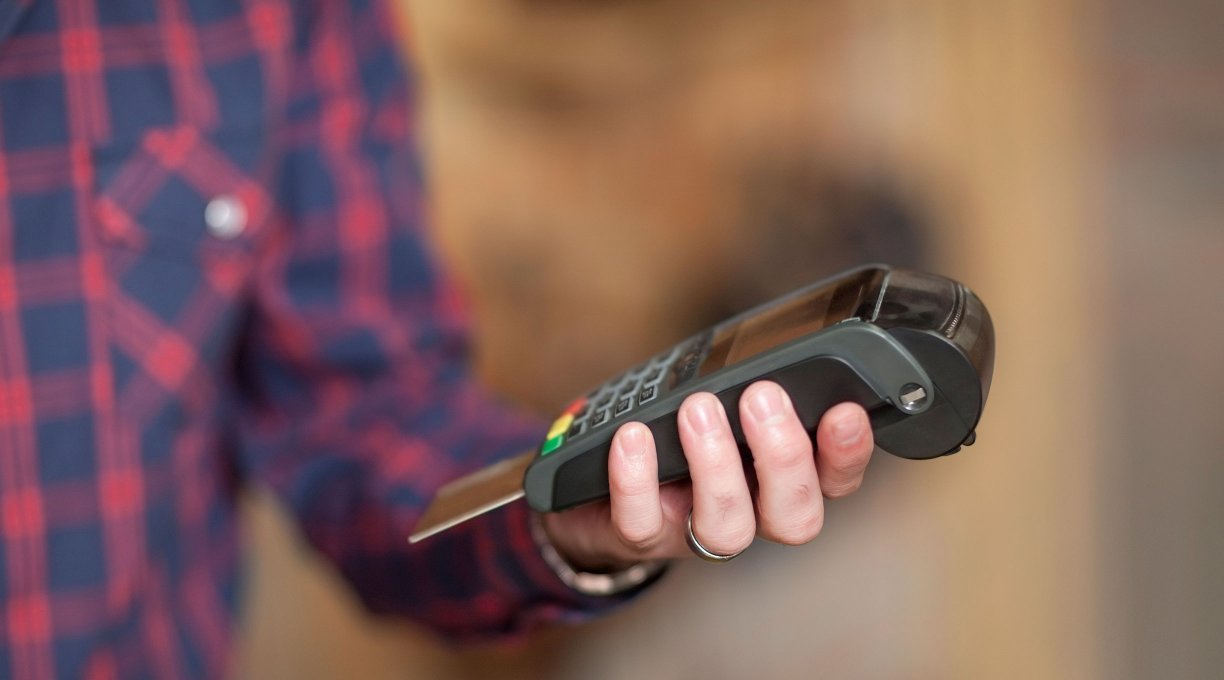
(627, 391)
(648, 393)
(577, 428)
(624, 405)
(560, 425)
(600, 417)
(552, 444)
(577, 407)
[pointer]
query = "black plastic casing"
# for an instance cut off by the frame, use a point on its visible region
(904, 333)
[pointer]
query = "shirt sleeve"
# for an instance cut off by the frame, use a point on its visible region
(357, 400)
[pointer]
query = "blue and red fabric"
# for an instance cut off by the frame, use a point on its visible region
(213, 274)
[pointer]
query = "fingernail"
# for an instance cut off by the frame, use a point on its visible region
(848, 430)
(633, 441)
(703, 415)
(632, 444)
(767, 402)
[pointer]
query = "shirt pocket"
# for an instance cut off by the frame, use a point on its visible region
(181, 218)
(181, 193)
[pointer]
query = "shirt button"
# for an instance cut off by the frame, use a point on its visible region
(226, 216)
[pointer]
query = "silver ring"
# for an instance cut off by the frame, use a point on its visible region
(700, 550)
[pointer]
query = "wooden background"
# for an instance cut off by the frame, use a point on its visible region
(609, 175)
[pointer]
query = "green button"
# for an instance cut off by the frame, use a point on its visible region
(552, 445)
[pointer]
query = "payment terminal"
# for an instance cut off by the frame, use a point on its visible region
(916, 350)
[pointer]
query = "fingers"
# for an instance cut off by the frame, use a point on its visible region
(723, 515)
(633, 480)
(645, 518)
(789, 505)
(648, 521)
(844, 442)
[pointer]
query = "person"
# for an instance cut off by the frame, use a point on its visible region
(213, 274)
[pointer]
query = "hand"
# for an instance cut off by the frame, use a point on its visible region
(782, 502)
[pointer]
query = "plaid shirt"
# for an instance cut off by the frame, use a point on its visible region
(211, 274)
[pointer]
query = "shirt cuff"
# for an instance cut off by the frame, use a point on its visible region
(621, 582)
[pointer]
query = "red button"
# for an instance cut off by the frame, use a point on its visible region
(576, 407)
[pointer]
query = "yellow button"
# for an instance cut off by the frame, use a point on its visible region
(560, 425)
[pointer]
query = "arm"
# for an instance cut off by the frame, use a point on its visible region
(360, 407)
(358, 403)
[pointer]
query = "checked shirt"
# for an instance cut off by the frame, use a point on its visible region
(212, 275)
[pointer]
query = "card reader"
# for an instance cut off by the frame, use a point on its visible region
(915, 350)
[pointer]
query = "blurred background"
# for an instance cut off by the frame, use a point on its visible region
(611, 175)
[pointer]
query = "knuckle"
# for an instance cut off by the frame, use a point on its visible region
(786, 452)
(802, 496)
(638, 536)
(727, 524)
(726, 503)
(639, 545)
